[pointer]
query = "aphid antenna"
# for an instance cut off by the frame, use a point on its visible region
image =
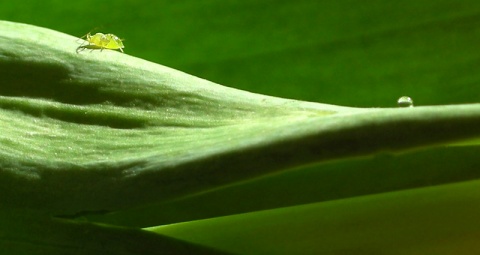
(89, 32)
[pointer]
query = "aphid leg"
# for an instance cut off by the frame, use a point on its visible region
(80, 48)
(83, 46)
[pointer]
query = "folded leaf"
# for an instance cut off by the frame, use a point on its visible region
(100, 130)
(439, 220)
(30, 233)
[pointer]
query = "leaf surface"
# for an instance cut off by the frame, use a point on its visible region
(101, 130)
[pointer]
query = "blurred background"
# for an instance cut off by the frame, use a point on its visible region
(332, 51)
(344, 52)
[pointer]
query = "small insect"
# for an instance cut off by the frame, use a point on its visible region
(102, 41)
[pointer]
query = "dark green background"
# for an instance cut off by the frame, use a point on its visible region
(344, 52)
(363, 54)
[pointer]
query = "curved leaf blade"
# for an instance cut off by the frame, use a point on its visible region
(433, 220)
(101, 130)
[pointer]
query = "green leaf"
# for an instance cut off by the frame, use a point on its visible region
(99, 130)
(434, 220)
(317, 183)
(31, 233)
(337, 52)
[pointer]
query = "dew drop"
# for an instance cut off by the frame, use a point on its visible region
(405, 102)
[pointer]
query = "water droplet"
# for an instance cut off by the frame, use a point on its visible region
(405, 102)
